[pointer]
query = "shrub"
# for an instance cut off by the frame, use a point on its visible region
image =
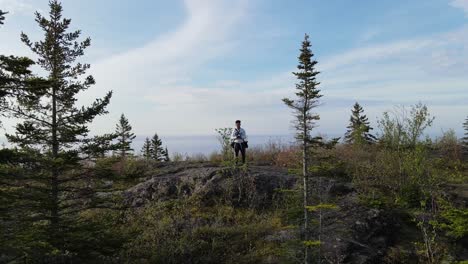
(185, 231)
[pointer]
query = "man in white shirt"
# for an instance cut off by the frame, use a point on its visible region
(239, 139)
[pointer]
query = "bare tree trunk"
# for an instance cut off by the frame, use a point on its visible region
(305, 177)
(319, 190)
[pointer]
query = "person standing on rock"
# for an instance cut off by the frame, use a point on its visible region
(239, 141)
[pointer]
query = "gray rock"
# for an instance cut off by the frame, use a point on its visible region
(352, 233)
(256, 186)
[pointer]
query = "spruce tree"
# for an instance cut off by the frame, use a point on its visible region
(166, 155)
(146, 150)
(359, 127)
(157, 151)
(54, 130)
(125, 136)
(308, 96)
(99, 146)
(465, 138)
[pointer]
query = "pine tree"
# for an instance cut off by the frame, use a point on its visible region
(166, 155)
(125, 136)
(99, 146)
(54, 129)
(358, 129)
(157, 151)
(307, 99)
(146, 150)
(465, 138)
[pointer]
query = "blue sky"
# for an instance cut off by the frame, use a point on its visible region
(188, 67)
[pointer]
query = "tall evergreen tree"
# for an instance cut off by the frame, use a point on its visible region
(125, 136)
(53, 130)
(146, 150)
(465, 138)
(359, 127)
(157, 151)
(308, 96)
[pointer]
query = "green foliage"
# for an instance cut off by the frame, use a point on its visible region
(61, 197)
(224, 139)
(146, 149)
(449, 146)
(359, 128)
(289, 203)
(307, 93)
(402, 128)
(153, 149)
(124, 171)
(135, 168)
(312, 243)
(44, 178)
(166, 155)
(157, 152)
(404, 167)
(412, 175)
(105, 168)
(430, 250)
(455, 222)
(321, 206)
(465, 138)
(177, 231)
(15, 78)
(123, 130)
(99, 146)
(373, 201)
(307, 99)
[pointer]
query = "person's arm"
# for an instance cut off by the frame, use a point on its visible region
(233, 134)
(245, 136)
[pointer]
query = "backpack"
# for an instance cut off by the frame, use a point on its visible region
(244, 144)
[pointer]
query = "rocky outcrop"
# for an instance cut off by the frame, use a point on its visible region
(351, 232)
(254, 186)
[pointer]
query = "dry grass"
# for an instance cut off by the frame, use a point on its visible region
(274, 152)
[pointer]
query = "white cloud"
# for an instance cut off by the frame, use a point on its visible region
(154, 83)
(158, 73)
(203, 36)
(156, 90)
(441, 56)
(374, 52)
(431, 69)
(462, 4)
(16, 6)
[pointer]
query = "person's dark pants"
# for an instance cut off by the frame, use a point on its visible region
(237, 147)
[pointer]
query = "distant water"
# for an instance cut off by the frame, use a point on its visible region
(206, 144)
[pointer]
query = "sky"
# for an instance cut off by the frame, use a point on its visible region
(183, 68)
